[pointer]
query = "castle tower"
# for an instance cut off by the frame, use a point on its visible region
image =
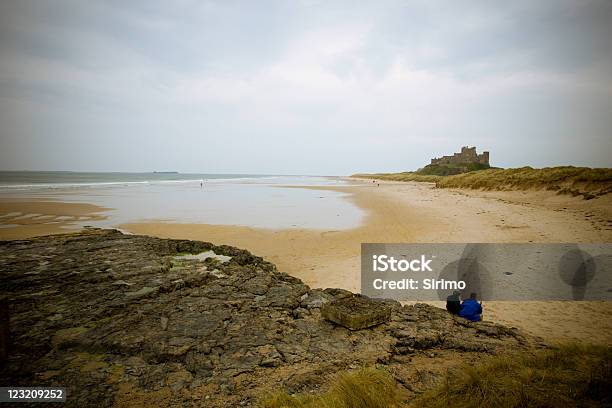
(483, 158)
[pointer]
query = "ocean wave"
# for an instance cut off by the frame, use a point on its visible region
(64, 185)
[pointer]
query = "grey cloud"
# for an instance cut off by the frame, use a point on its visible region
(303, 87)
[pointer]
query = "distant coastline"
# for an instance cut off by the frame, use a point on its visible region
(34, 179)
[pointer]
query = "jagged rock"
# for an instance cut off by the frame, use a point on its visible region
(146, 291)
(315, 299)
(178, 380)
(356, 312)
(221, 325)
(122, 282)
(270, 357)
(4, 330)
(337, 293)
(65, 337)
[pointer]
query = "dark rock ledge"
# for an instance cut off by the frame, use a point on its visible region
(125, 320)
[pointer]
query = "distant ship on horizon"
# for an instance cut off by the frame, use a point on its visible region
(166, 172)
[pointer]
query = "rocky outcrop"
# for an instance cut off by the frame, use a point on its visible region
(125, 319)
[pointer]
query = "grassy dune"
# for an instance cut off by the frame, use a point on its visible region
(405, 176)
(567, 376)
(575, 181)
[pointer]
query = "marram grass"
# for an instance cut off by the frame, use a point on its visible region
(363, 388)
(567, 376)
(570, 375)
(405, 176)
(570, 180)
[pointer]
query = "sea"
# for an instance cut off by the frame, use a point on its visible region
(255, 200)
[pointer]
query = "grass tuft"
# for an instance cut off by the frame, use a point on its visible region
(363, 388)
(568, 376)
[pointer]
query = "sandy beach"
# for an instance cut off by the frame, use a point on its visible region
(396, 212)
(23, 219)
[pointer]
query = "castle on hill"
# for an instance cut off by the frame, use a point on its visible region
(467, 155)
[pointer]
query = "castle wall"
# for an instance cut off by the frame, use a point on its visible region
(467, 155)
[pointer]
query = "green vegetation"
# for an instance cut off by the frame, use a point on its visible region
(430, 173)
(576, 181)
(406, 176)
(566, 180)
(451, 169)
(364, 388)
(568, 376)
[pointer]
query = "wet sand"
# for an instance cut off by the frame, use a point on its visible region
(24, 219)
(418, 212)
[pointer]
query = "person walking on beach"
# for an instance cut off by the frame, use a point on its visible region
(201, 183)
(471, 309)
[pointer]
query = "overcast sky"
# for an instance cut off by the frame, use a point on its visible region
(302, 87)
